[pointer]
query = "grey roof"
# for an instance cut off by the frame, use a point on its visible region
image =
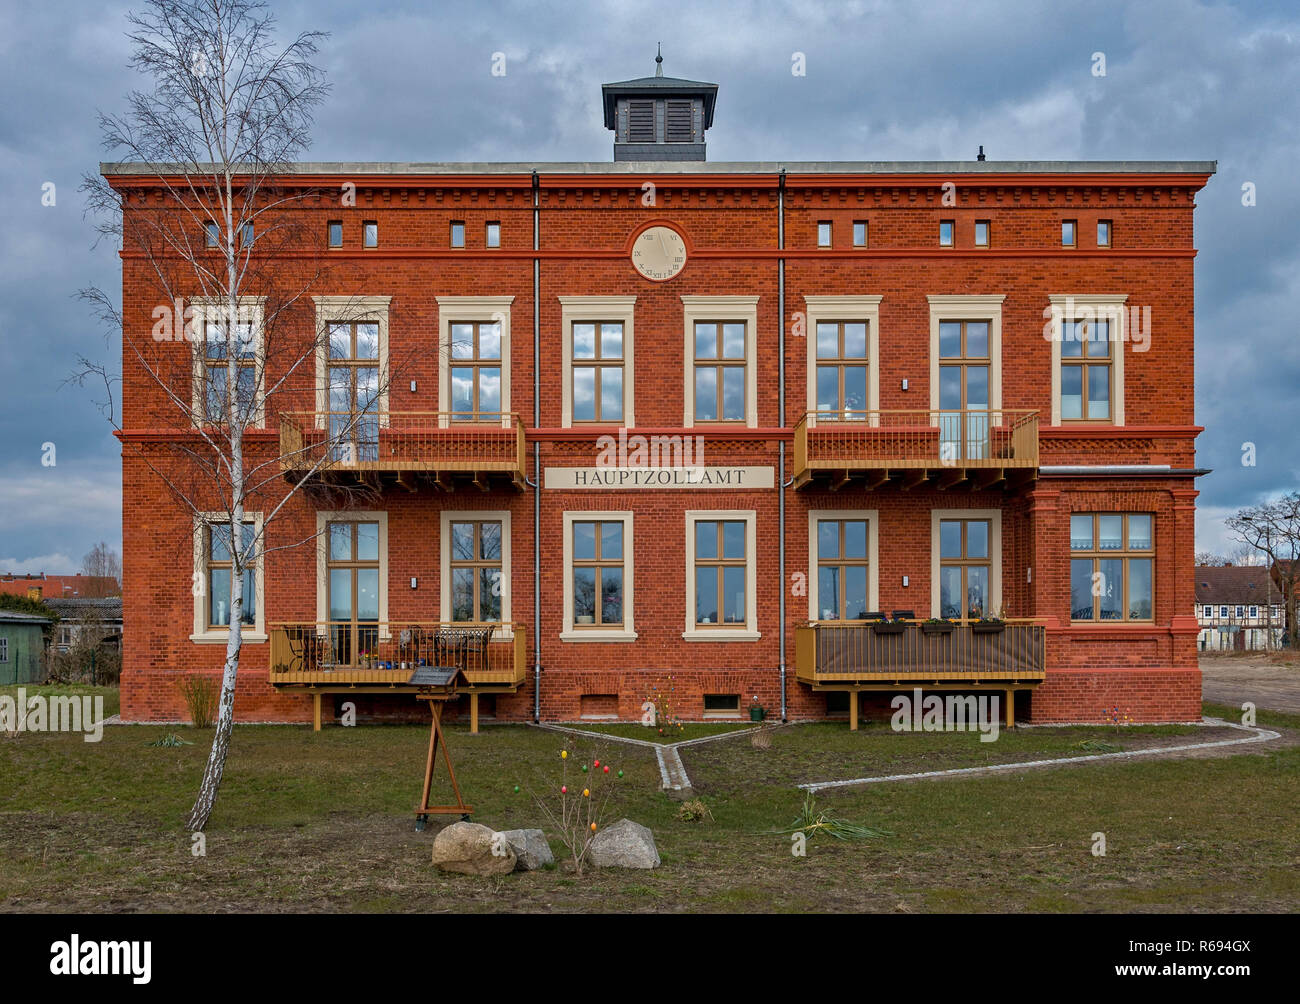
(1232, 584)
(658, 86)
(107, 608)
(14, 617)
(864, 167)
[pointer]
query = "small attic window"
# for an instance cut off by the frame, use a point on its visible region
(641, 121)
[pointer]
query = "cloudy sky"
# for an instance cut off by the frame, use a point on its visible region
(884, 81)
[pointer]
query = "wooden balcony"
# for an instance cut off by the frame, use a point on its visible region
(378, 657)
(942, 449)
(866, 655)
(410, 448)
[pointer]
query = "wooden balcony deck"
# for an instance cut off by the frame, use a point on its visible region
(947, 449)
(438, 448)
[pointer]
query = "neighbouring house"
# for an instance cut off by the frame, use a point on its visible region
(22, 646)
(87, 619)
(695, 429)
(1239, 607)
(41, 586)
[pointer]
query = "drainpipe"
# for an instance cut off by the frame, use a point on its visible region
(780, 480)
(537, 461)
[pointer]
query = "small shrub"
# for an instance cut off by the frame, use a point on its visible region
(578, 811)
(170, 739)
(810, 823)
(1097, 746)
(200, 694)
(694, 811)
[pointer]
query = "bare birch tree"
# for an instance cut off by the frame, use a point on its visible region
(213, 217)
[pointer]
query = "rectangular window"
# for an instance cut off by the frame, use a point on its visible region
(370, 234)
(946, 230)
(475, 371)
(1223, 611)
(246, 235)
(965, 568)
(458, 233)
(492, 238)
(1069, 233)
(720, 371)
(981, 233)
(1275, 611)
(212, 235)
(352, 589)
(597, 577)
(476, 571)
(597, 371)
(842, 370)
(336, 233)
(220, 564)
(4, 649)
(1209, 612)
(354, 390)
(964, 367)
(842, 569)
(721, 705)
(216, 372)
(824, 234)
(1112, 563)
(1241, 612)
(1103, 233)
(1086, 364)
(859, 233)
(1254, 612)
(721, 574)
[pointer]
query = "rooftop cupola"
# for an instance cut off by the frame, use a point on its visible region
(659, 118)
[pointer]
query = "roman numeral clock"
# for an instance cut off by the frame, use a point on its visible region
(659, 253)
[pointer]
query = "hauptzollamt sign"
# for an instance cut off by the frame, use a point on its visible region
(615, 478)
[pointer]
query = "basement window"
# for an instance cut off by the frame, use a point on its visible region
(458, 233)
(336, 233)
(946, 230)
(598, 707)
(721, 705)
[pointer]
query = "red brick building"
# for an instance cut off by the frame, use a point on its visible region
(690, 428)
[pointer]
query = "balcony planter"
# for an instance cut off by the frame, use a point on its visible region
(888, 627)
(988, 627)
(937, 627)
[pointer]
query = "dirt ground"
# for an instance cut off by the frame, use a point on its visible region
(1268, 680)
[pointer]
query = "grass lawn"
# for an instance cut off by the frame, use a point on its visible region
(322, 821)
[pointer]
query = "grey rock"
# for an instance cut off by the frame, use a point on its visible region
(473, 849)
(531, 849)
(624, 844)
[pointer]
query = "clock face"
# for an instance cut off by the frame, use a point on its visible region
(659, 253)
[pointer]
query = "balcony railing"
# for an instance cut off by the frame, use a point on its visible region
(343, 653)
(929, 441)
(848, 652)
(438, 443)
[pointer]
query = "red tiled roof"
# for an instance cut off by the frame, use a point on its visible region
(51, 586)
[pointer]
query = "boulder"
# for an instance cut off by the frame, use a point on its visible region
(531, 849)
(624, 844)
(473, 849)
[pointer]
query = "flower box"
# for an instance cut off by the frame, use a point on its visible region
(944, 627)
(888, 627)
(988, 627)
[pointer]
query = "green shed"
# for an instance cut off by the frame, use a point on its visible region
(22, 645)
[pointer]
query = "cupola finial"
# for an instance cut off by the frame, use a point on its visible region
(659, 60)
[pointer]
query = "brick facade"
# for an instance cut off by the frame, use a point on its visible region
(729, 217)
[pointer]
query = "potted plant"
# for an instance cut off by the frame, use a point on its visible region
(889, 626)
(757, 712)
(989, 623)
(937, 625)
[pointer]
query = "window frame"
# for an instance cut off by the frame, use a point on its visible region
(866, 233)
(1125, 553)
(346, 310)
(491, 236)
(994, 518)
(1069, 305)
(825, 309)
(872, 518)
(323, 519)
(330, 229)
(952, 234)
(825, 228)
(212, 235)
(451, 234)
(719, 309)
(748, 631)
(211, 310)
(446, 518)
(366, 243)
(468, 310)
(1073, 224)
(988, 233)
(588, 309)
(1110, 233)
(201, 632)
(966, 308)
(570, 631)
